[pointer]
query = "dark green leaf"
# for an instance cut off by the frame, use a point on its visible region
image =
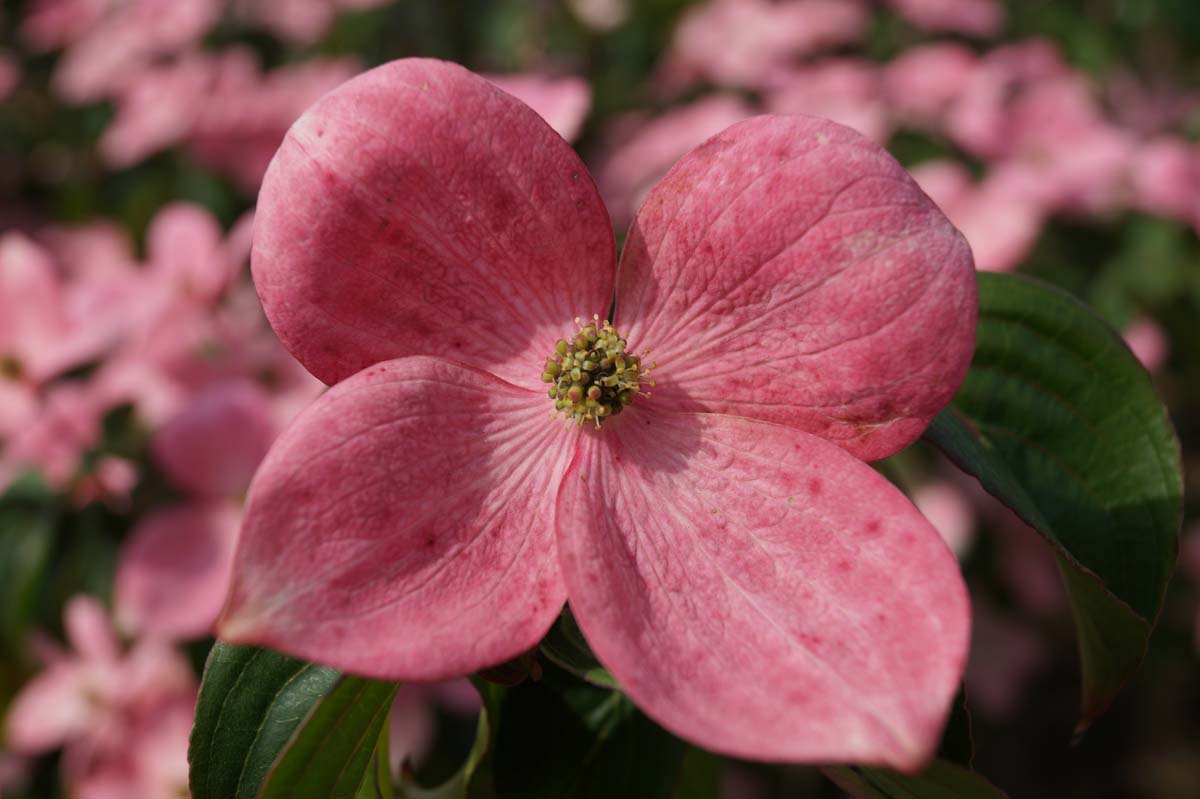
(251, 702)
(940, 780)
(568, 649)
(458, 786)
(563, 737)
(958, 744)
(331, 754)
(699, 775)
(1059, 421)
(27, 532)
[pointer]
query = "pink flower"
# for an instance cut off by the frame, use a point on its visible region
(848, 91)
(174, 567)
(1148, 341)
(645, 150)
(90, 698)
(1000, 217)
(973, 17)
(1166, 179)
(125, 38)
(923, 83)
(10, 74)
(223, 108)
(949, 510)
(298, 20)
(563, 102)
(413, 724)
(600, 15)
(248, 113)
(741, 43)
(1005, 656)
(423, 241)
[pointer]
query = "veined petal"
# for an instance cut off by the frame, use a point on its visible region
(402, 526)
(790, 270)
(419, 210)
(759, 591)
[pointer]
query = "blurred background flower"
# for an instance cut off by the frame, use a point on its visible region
(140, 384)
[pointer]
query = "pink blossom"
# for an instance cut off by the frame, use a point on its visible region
(150, 762)
(96, 250)
(188, 255)
(423, 240)
(111, 481)
(212, 447)
(413, 723)
(14, 772)
(248, 114)
(128, 37)
(174, 569)
(158, 108)
(298, 20)
(563, 102)
(63, 425)
(1000, 217)
(981, 18)
(10, 74)
(32, 317)
(740, 43)
(600, 15)
(949, 511)
(1148, 341)
(89, 696)
(848, 91)
(1005, 656)
(223, 108)
(1039, 123)
(645, 150)
(980, 122)
(923, 83)
(51, 24)
(1166, 179)
(1148, 108)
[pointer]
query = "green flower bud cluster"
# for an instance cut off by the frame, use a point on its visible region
(591, 376)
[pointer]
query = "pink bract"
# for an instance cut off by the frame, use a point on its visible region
(423, 240)
(562, 102)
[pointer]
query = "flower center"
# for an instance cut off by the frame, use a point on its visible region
(591, 376)
(10, 368)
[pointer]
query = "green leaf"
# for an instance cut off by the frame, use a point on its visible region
(699, 775)
(27, 536)
(566, 647)
(563, 737)
(331, 755)
(458, 786)
(378, 783)
(251, 702)
(939, 780)
(1059, 421)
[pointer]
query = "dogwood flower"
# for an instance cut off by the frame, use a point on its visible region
(423, 243)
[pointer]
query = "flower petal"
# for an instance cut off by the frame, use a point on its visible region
(760, 592)
(790, 270)
(401, 528)
(51, 709)
(174, 570)
(419, 210)
(213, 445)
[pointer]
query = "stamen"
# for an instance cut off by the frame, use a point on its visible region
(591, 377)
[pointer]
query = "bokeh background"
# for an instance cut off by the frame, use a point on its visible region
(140, 384)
